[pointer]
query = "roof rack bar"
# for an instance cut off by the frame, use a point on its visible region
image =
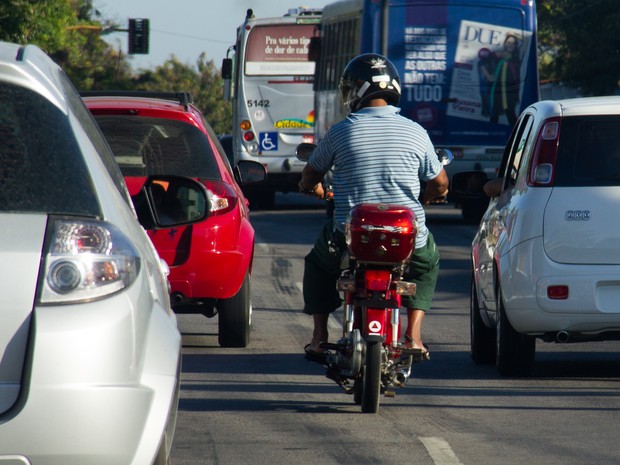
(184, 98)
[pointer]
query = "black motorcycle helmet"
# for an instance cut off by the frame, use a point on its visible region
(369, 76)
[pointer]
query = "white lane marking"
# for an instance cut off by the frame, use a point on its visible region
(440, 451)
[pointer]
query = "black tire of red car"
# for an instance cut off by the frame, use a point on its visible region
(482, 338)
(235, 318)
(514, 351)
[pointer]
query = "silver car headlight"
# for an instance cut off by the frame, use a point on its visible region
(86, 260)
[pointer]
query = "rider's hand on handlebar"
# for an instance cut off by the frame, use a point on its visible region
(316, 191)
(437, 200)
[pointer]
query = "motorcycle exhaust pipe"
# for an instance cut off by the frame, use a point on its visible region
(562, 336)
(401, 377)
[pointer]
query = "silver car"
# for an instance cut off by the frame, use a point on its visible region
(89, 348)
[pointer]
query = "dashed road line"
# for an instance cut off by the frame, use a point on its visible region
(440, 451)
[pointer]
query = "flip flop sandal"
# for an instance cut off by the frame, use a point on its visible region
(426, 355)
(313, 355)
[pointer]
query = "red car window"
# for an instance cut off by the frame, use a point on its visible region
(145, 146)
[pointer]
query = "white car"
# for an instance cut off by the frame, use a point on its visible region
(546, 257)
(89, 347)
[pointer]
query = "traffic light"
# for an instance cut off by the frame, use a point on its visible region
(138, 36)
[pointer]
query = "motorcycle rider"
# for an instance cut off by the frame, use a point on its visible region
(378, 156)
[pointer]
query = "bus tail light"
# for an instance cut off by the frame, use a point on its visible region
(245, 125)
(542, 171)
(248, 136)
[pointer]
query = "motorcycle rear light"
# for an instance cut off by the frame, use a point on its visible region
(378, 280)
(223, 197)
(545, 154)
(558, 292)
(248, 136)
(86, 260)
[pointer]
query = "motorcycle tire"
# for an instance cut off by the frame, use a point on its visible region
(371, 387)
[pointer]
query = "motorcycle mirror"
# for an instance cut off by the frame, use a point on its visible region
(445, 156)
(304, 150)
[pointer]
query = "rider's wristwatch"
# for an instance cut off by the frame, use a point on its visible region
(305, 190)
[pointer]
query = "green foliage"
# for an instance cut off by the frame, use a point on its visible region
(580, 44)
(203, 81)
(42, 22)
(70, 32)
(65, 30)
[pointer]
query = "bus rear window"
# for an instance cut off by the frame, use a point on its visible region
(279, 51)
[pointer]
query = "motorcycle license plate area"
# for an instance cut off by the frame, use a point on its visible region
(381, 233)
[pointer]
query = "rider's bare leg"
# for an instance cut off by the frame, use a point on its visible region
(320, 333)
(414, 326)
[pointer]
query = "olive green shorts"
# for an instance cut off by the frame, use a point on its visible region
(322, 268)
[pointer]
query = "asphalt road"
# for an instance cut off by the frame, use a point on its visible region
(267, 404)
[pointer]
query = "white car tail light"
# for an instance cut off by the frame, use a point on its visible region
(86, 260)
(545, 154)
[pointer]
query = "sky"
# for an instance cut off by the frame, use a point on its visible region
(186, 28)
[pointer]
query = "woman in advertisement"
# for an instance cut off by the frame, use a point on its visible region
(505, 88)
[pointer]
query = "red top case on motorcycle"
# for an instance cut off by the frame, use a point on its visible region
(381, 233)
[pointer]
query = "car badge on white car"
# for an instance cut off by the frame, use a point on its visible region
(578, 215)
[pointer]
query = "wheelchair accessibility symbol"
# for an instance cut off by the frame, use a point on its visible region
(268, 141)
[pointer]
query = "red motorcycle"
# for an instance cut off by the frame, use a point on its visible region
(368, 360)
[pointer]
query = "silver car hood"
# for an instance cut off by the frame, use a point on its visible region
(581, 225)
(21, 242)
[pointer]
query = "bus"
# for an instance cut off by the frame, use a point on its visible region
(467, 69)
(269, 81)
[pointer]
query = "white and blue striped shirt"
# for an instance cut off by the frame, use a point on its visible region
(378, 156)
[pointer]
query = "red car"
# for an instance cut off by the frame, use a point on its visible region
(211, 261)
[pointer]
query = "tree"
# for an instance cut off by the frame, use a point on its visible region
(70, 32)
(203, 81)
(41, 22)
(580, 44)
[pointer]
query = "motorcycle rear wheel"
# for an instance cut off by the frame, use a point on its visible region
(371, 387)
